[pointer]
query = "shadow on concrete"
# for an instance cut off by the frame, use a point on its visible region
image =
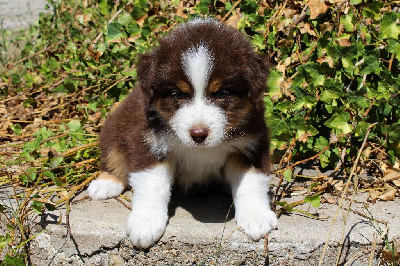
(346, 254)
(207, 205)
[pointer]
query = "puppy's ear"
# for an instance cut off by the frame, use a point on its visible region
(258, 77)
(146, 74)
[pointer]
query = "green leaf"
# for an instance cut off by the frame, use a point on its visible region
(13, 261)
(4, 240)
(258, 41)
(356, 2)
(373, 10)
(328, 96)
(55, 179)
(16, 129)
(288, 174)
(114, 31)
(15, 79)
(370, 65)
(347, 22)
(53, 64)
(274, 83)
(125, 19)
(340, 121)
(37, 206)
(74, 125)
(203, 6)
(393, 46)
(314, 200)
(104, 7)
(389, 27)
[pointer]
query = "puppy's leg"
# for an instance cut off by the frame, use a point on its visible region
(250, 196)
(105, 186)
(149, 216)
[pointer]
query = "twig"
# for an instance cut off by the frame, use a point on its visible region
(343, 154)
(391, 62)
(343, 194)
(123, 203)
(311, 158)
(231, 10)
(266, 249)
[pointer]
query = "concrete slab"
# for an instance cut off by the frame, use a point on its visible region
(17, 14)
(200, 232)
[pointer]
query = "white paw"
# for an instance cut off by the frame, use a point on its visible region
(104, 189)
(256, 222)
(146, 226)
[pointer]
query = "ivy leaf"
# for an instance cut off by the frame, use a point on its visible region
(13, 261)
(314, 200)
(125, 19)
(53, 64)
(258, 41)
(74, 125)
(4, 240)
(347, 22)
(393, 46)
(288, 175)
(114, 31)
(274, 83)
(389, 27)
(339, 121)
(203, 6)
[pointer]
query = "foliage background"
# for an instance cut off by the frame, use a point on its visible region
(334, 75)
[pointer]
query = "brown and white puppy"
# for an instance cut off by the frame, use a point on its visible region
(197, 114)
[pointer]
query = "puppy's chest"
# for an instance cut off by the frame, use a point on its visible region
(193, 166)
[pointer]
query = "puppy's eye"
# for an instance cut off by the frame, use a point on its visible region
(177, 94)
(221, 94)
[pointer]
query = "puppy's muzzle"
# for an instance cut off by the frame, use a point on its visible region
(199, 135)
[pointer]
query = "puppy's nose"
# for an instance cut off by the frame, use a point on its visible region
(199, 134)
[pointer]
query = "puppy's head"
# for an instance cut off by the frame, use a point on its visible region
(203, 82)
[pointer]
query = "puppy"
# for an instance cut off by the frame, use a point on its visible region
(196, 114)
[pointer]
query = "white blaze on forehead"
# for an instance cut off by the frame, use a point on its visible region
(197, 64)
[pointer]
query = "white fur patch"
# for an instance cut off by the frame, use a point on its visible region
(199, 165)
(197, 64)
(149, 216)
(104, 189)
(250, 196)
(199, 114)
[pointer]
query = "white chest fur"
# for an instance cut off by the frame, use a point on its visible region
(200, 165)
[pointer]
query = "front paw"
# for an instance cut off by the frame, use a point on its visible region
(105, 188)
(256, 222)
(145, 227)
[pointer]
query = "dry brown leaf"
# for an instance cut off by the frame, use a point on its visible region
(288, 12)
(317, 7)
(344, 42)
(339, 186)
(304, 137)
(179, 10)
(330, 200)
(326, 26)
(396, 183)
(234, 19)
(374, 194)
(140, 21)
(306, 28)
(391, 175)
(325, 59)
(390, 195)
